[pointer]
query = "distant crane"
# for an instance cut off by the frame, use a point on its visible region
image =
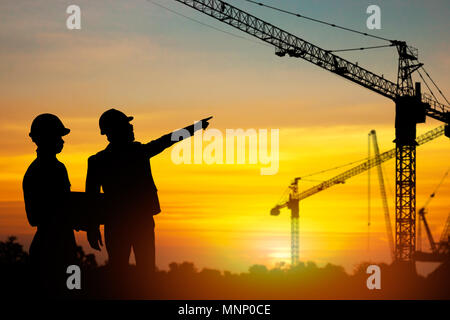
(422, 212)
(444, 242)
(295, 196)
(439, 250)
(411, 106)
(387, 218)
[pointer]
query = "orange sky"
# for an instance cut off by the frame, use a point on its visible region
(168, 72)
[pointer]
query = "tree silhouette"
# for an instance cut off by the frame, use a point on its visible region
(258, 269)
(306, 280)
(184, 269)
(12, 253)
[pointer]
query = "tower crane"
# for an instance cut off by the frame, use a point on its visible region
(439, 250)
(444, 242)
(295, 196)
(387, 218)
(411, 106)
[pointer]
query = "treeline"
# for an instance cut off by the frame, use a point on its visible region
(185, 281)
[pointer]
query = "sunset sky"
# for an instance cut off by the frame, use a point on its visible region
(168, 71)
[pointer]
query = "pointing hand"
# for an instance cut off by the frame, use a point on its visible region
(205, 122)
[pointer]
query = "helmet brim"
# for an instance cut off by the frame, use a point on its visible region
(65, 132)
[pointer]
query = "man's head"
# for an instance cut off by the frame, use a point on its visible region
(116, 126)
(47, 131)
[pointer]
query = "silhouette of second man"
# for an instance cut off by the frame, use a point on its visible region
(123, 171)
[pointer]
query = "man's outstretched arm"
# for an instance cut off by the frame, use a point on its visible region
(157, 146)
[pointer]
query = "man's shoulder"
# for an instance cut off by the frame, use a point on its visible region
(33, 165)
(60, 165)
(39, 169)
(32, 169)
(99, 156)
(108, 152)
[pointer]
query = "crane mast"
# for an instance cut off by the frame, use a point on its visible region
(387, 217)
(293, 205)
(411, 106)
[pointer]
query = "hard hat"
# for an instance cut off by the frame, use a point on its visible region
(111, 119)
(47, 124)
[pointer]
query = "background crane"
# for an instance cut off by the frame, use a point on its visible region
(411, 106)
(292, 203)
(439, 250)
(387, 217)
(444, 242)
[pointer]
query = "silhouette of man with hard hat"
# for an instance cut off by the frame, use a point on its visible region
(124, 173)
(45, 186)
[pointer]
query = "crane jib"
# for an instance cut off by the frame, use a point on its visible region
(370, 163)
(287, 43)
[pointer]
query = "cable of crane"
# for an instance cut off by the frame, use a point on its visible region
(424, 81)
(312, 180)
(317, 20)
(363, 48)
(440, 182)
(283, 196)
(386, 176)
(442, 94)
(331, 169)
(205, 24)
(433, 194)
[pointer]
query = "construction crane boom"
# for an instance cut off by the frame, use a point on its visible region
(428, 231)
(387, 217)
(370, 163)
(287, 43)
